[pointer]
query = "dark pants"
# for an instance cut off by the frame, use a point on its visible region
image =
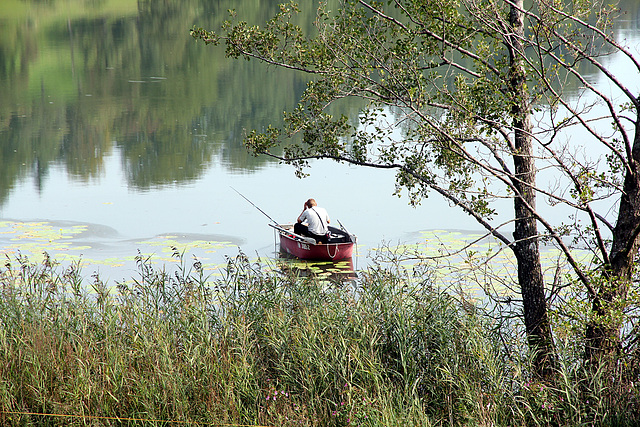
(303, 230)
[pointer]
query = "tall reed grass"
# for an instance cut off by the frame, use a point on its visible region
(258, 347)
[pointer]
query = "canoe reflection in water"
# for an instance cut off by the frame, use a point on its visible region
(335, 271)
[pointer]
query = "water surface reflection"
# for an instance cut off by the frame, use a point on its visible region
(118, 131)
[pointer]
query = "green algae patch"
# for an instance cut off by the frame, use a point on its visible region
(66, 242)
(33, 239)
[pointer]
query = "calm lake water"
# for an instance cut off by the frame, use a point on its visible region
(119, 133)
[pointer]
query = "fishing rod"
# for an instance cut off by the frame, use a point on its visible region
(278, 226)
(252, 204)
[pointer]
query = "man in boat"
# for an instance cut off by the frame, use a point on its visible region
(313, 222)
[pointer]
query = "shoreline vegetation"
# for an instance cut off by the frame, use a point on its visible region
(267, 347)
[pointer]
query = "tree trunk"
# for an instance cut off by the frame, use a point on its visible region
(603, 329)
(526, 248)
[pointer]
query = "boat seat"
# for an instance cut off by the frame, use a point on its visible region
(338, 238)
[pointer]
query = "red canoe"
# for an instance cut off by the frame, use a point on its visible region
(339, 247)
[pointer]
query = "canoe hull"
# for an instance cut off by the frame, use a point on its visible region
(293, 245)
